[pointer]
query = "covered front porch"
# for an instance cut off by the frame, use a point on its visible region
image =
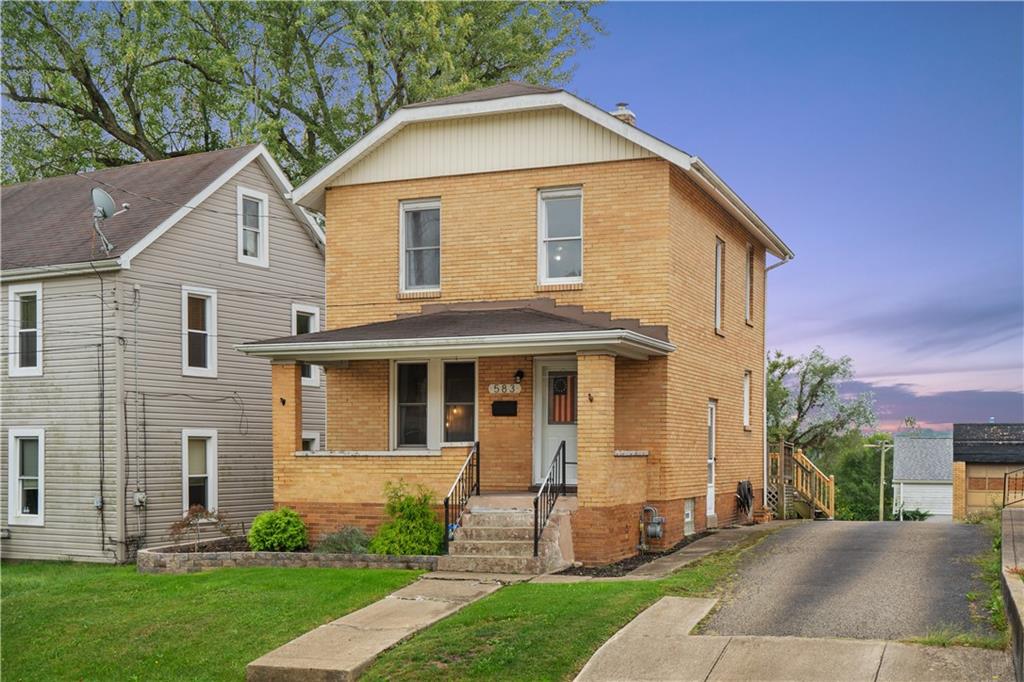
(409, 399)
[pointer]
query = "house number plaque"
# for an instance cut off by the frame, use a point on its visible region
(504, 389)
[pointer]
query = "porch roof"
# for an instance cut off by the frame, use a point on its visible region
(478, 329)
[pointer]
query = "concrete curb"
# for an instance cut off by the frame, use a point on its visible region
(1013, 586)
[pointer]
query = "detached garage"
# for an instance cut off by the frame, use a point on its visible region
(922, 476)
(982, 454)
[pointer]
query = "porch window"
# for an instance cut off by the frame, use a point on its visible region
(562, 398)
(421, 245)
(306, 320)
(412, 405)
(459, 402)
(25, 472)
(199, 328)
(26, 338)
(560, 236)
(199, 468)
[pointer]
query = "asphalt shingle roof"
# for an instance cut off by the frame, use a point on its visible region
(994, 443)
(501, 91)
(922, 457)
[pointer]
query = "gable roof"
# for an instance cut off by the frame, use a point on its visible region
(517, 97)
(47, 224)
(919, 457)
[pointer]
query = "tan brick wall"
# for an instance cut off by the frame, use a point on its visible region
(959, 491)
(506, 443)
(357, 406)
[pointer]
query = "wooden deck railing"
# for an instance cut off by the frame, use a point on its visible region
(813, 485)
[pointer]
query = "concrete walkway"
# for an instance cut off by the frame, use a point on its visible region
(342, 649)
(657, 645)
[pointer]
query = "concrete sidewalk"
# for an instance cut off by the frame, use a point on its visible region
(342, 649)
(657, 645)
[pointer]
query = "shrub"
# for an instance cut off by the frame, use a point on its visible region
(348, 540)
(280, 530)
(413, 527)
(193, 523)
(916, 515)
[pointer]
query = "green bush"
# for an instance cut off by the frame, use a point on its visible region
(348, 540)
(916, 515)
(281, 530)
(413, 527)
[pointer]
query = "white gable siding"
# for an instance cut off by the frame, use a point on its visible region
(531, 139)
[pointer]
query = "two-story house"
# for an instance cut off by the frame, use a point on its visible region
(520, 284)
(124, 402)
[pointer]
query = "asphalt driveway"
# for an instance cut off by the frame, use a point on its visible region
(857, 579)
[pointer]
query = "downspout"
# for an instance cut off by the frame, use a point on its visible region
(764, 381)
(122, 433)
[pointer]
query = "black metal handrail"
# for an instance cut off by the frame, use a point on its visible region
(1013, 487)
(466, 484)
(547, 495)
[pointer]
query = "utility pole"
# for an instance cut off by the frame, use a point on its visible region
(883, 447)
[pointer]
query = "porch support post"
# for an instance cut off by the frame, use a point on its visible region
(595, 429)
(286, 389)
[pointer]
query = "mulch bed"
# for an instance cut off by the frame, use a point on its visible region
(238, 544)
(621, 568)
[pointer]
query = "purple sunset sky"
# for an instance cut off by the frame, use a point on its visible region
(884, 143)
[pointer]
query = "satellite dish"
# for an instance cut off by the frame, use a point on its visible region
(103, 202)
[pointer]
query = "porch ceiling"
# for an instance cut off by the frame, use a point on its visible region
(510, 328)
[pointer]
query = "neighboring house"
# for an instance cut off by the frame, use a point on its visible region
(982, 454)
(124, 401)
(922, 473)
(518, 268)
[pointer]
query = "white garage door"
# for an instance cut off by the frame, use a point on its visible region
(936, 498)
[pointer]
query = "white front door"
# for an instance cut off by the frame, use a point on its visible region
(554, 416)
(712, 407)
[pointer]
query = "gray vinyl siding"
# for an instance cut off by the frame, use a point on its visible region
(64, 402)
(252, 303)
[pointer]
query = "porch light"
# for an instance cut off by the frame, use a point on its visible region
(519, 376)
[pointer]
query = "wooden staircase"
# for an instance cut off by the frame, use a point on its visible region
(798, 488)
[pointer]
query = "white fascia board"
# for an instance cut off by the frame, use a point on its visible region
(619, 341)
(62, 270)
(274, 171)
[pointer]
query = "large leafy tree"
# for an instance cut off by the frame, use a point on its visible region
(89, 85)
(806, 405)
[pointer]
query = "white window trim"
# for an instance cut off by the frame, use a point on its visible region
(314, 310)
(263, 260)
(14, 314)
(542, 238)
(435, 404)
(418, 205)
(746, 398)
(313, 436)
(14, 515)
(748, 289)
(210, 371)
(719, 271)
(211, 466)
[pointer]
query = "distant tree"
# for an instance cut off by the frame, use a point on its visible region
(856, 472)
(88, 85)
(805, 404)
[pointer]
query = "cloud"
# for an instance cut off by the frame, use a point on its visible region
(895, 402)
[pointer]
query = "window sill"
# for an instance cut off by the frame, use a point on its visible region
(201, 374)
(748, 429)
(25, 521)
(19, 372)
(559, 286)
(427, 293)
(458, 444)
(719, 333)
(750, 323)
(369, 453)
(254, 262)
(632, 453)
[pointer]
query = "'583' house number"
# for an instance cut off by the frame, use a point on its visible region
(504, 389)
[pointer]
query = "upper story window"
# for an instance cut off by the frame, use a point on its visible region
(26, 330)
(719, 282)
(306, 320)
(198, 332)
(420, 237)
(25, 453)
(560, 236)
(253, 227)
(199, 468)
(748, 310)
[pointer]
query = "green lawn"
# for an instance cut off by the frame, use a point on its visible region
(80, 621)
(540, 631)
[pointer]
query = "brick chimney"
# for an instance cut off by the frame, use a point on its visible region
(623, 113)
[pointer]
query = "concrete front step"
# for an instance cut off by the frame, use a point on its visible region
(504, 519)
(491, 547)
(494, 533)
(490, 564)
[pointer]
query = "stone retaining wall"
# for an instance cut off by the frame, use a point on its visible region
(158, 560)
(1013, 586)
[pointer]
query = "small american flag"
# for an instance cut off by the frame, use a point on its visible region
(563, 399)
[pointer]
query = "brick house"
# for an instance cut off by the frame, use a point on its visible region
(516, 268)
(983, 455)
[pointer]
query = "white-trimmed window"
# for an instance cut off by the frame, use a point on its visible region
(198, 332)
(310, 441)
(719, 282)
(253, 227)
(433, 404)
(746, 399)
(306, 320)
(420, 245)
(25, 463)
(560, 236)
(199, 468)
(748, 310)
(25, 322)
